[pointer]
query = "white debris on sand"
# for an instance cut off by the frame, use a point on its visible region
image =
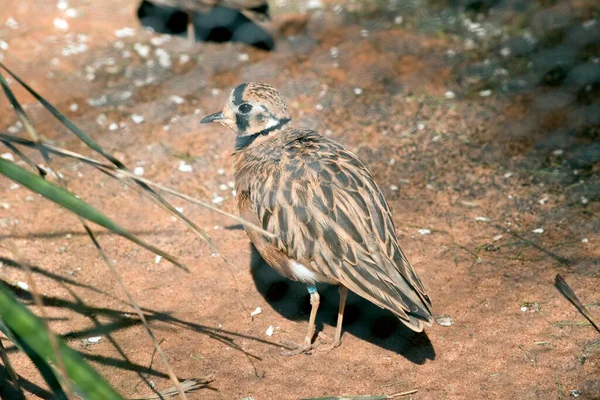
(139, 171)
(256, 311)
(444, 320)
(61, 24)
(177, 99)
(137, 119)
(7, 156)
(185, 167)
(125, 32)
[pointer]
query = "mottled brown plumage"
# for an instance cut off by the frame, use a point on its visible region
(330, 218)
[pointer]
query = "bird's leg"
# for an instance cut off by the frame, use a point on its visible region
(338, 329)
(307, 345)
(191, 31)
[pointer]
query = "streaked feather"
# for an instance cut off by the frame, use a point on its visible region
(330, 216)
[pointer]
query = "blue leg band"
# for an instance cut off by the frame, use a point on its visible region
(311, 289)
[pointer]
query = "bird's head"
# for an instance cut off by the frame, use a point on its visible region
(252, 110)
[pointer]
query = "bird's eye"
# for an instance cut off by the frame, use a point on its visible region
(245, 108)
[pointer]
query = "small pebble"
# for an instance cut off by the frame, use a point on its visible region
(223, 187)
(143, 50)
(23, 285)
(444, 320)
(12, 23)
(158, 259)
(164, 58)
(221, 171)
(424, 232)
(538, 230)
(543, 200)
(256, 311)
(269, 331)
(450, 94)
(524, 308)
(160, 40)
(497, 237)
(358, 91)
(184, 167)
(584, 200)
(177, 100)
(319, 107)
(139, 171)
(243, 57)
(585, 240)
(61, 24)
(394, 188)
(137, 119)
(179, 209)
(485, 93)
(113, 126)
(74, 107)
(398, 20)
(482, 219)
(14, 186)
(218, 199)
(72, 13)
(124, 32)
(7, 156)
(94, 339)
(183, 58)
(314, 4)
(558, 152)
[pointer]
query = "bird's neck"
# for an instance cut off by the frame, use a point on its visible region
(245, 141)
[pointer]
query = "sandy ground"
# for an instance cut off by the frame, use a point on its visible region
(479, 173)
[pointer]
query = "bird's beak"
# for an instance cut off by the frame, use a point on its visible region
(218, 116)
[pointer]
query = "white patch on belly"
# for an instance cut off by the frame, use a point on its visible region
(302, 273)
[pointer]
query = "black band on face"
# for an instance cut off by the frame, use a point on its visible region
(241, 142)
(242, 121)
(238, 92)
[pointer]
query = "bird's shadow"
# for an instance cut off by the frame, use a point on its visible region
(362, 318)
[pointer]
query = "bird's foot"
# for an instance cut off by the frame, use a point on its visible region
(296, 348)
(328, 347)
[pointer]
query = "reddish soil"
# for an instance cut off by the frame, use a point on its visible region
(514, 336)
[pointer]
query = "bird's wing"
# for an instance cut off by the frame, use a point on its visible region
(328, 213)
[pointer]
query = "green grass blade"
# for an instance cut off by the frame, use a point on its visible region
(39, 362)
(72, 203)
(64, 120)
(30, 329)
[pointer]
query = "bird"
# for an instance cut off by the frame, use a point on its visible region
(255, 10)
(330, 220)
